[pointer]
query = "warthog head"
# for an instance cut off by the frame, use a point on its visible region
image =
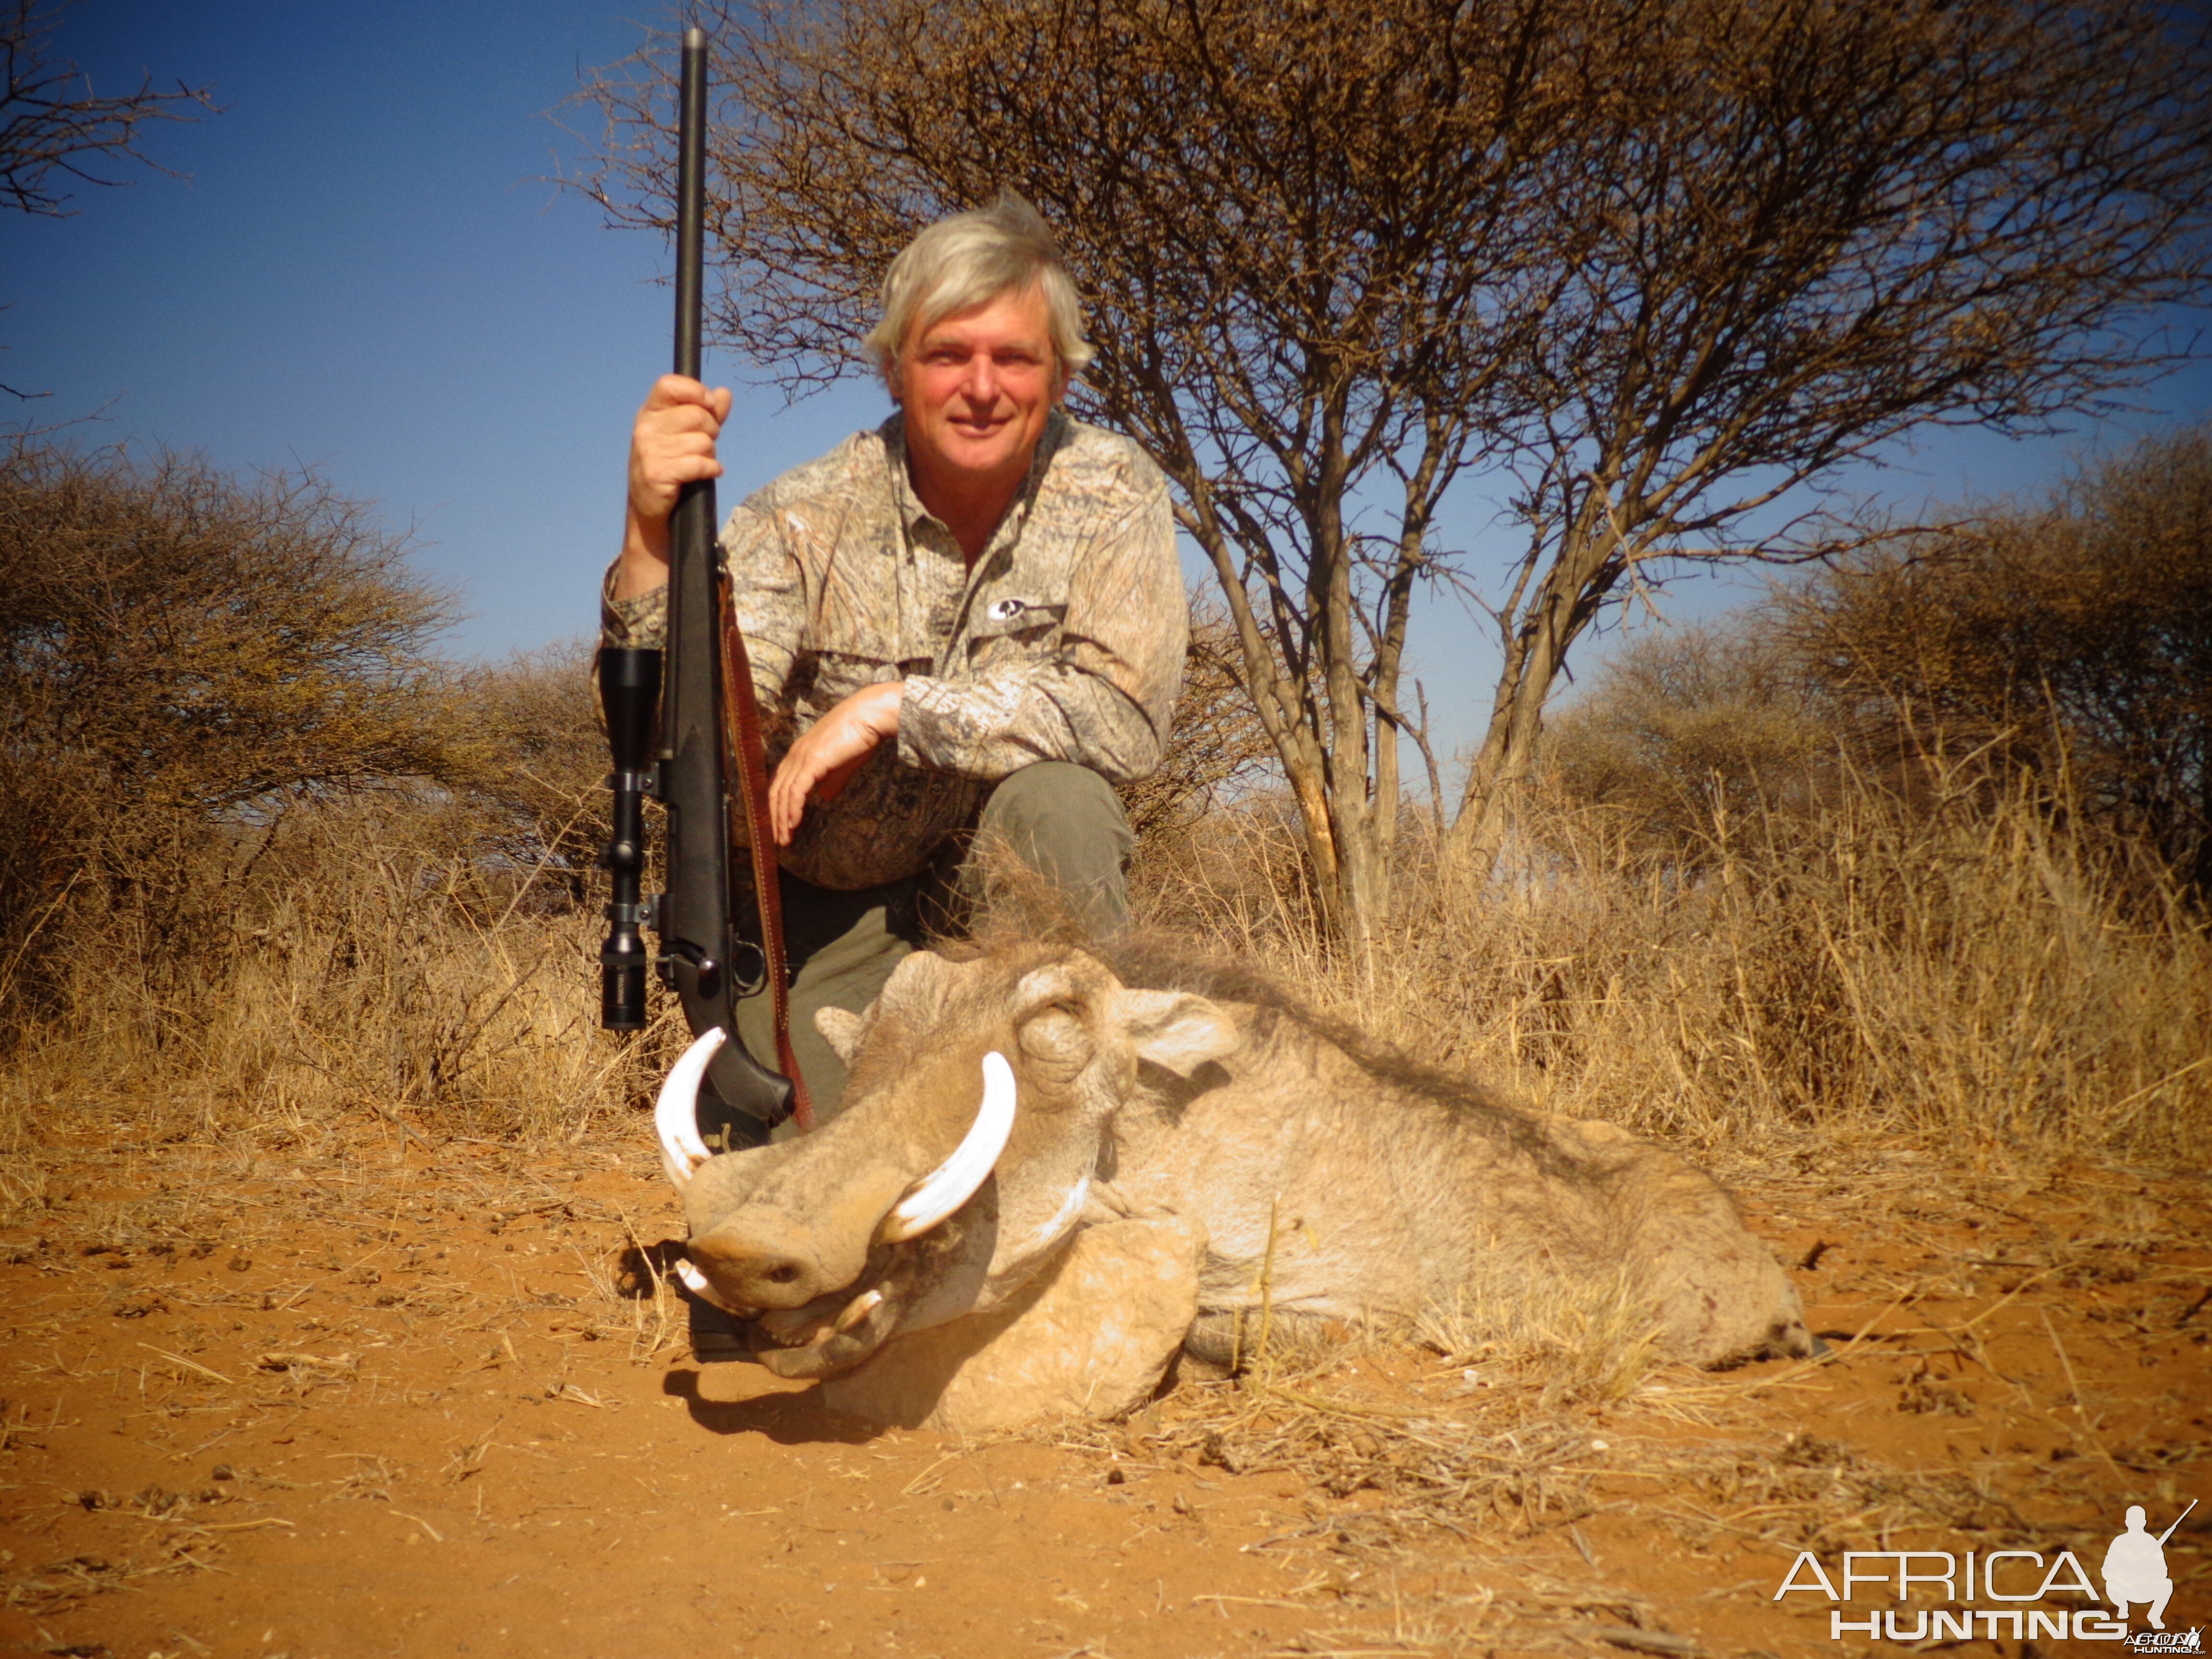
(979, 1103)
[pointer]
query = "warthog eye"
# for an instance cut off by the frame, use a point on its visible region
(1056, 1034)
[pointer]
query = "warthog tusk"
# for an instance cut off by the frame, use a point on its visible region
(954, 1182)
(696, 1283)
(858, 1310)
(676, 1113)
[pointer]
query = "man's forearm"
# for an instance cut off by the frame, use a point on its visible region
(829, 751)
(996, 726)
(643, 563)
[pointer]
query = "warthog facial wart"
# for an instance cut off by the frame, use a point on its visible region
(1057, 1167)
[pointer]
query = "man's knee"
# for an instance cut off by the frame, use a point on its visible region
(1065, 822)
(1056, 797)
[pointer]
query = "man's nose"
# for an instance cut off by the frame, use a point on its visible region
(979, 385)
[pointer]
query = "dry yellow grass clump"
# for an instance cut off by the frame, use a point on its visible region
(353, 963)
(1957, 972)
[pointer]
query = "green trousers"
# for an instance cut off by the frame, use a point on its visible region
(1062, 821)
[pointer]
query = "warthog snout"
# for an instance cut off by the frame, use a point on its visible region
(826, 1271)
(760, 1262)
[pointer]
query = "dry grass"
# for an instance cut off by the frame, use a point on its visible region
(1590, 1339)
(1955, 973)
(361, 959)
(1404, 1468)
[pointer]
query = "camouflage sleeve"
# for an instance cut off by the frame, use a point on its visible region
(639, 623)
(771, 601)
(1102, 701)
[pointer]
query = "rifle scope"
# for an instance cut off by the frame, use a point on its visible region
(630, 693)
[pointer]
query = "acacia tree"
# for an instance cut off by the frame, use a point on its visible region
(1649, 265)
(2072, 640)
(1816, 227)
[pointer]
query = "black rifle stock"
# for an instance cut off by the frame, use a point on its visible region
(701, 958)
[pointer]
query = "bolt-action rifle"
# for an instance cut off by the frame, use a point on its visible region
(704, 679)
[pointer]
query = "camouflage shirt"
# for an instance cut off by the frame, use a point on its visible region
(1064, 641)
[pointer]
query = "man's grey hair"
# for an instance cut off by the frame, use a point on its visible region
(969, 260)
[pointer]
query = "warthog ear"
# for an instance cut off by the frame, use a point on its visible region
(841, 1029)
(1175, 1028)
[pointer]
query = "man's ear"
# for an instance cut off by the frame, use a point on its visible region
(1175, 1028)
(841, 1030)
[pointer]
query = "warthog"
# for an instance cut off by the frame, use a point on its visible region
(1005, 1112)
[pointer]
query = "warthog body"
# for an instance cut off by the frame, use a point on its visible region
(1300, 1167)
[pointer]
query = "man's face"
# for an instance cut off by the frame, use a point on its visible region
(976, 386)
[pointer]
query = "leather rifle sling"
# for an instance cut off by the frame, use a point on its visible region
(742, 737)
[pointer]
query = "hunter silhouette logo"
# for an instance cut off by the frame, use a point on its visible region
(2135, 1567)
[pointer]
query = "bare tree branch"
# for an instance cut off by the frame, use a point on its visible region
(55, 130)
(50, 123)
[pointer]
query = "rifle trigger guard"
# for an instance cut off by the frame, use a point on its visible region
(748, 969)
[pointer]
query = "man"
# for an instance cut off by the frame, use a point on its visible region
(965, 626)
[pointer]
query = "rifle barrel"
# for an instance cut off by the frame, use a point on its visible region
(690, 201)
(2177, 1520)
(695, 915)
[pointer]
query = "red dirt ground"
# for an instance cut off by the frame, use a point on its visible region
(277, 1407)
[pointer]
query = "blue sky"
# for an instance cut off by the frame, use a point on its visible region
(367, 271)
